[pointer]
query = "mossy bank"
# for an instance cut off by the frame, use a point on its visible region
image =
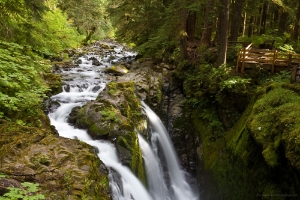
(247, 127)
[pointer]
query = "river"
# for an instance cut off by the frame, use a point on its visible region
(83, 83)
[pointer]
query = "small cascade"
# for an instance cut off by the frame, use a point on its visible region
(156, 182)
(179, 189)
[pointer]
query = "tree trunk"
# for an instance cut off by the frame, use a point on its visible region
(191, 25)
(89, 35)
(250, 27)
(183, 47)
(223, 13)
(297, 24)
(236, 19)
(275, 17)
(282, 27)
(264, 17)
(208, 24)
(244, 24)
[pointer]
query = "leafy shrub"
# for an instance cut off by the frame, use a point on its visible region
(27, 192)
(21, 85)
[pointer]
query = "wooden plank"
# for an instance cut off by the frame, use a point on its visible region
(257, 60)
(260, 55)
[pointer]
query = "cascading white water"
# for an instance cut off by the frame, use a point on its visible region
(180, 189)
(155, 178)
(83, 84)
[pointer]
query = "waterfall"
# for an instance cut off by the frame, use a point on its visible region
(179, 187)
(82, 84)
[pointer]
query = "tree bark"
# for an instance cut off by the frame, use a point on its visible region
(282, 26)
(223, 14)
(208, 24)
(297, 25)
(89, 35)
(264, 17)
(236, 19)
(191, 25)
(250, 27)
(183, 47)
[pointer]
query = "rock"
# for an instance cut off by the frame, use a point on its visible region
(79, 61)
(117, 70)
(51, 105)
(29, 154)
(67, 88)
(115, 115)
(5, 183)
(96, 62)
(96, 88)
(73, 115)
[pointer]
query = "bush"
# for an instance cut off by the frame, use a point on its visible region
(21, 85)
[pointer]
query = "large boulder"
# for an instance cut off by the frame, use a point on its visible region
(116, 115)
(117, 70)
(64, 168)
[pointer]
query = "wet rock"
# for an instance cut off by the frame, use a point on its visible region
(79, 61)
(51, 105)
(5, 183)
(29, 154)
(115, 115)
(96, 88)
(117, 70)
(67, 88)
(96, 62)
(73, 114)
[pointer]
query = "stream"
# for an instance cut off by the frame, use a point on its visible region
(83, 83)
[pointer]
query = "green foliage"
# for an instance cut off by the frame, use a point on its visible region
(17, 16)
(88, 16)
(21, 86)
(210, 90)
(27, 192)
(287, 48)
(54, 34)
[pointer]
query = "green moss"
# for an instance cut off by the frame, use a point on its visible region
(110, 115)
(61, 166)
(259, 145)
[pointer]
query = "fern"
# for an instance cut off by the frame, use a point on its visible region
(27, 192)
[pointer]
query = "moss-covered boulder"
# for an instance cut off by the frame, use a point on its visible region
(116, 114)
(64, 168)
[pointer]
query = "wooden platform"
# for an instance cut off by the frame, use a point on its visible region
(269, 59)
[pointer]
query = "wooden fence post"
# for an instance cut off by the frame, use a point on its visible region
(290, 60)
(293, 74)
(243, 60)
(238, 60)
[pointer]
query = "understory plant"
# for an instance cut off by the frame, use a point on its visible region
(21, 83)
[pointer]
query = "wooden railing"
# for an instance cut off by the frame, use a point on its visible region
(266, 57)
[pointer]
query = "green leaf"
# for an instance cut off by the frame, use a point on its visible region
(31, 187)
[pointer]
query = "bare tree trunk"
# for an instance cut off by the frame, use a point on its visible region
(208, 23)
(250, 27)
(297, 25)
(244, 24)
(223, 14)
(191, 25)
(282, 26)
(264, 17)
(236, 19)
